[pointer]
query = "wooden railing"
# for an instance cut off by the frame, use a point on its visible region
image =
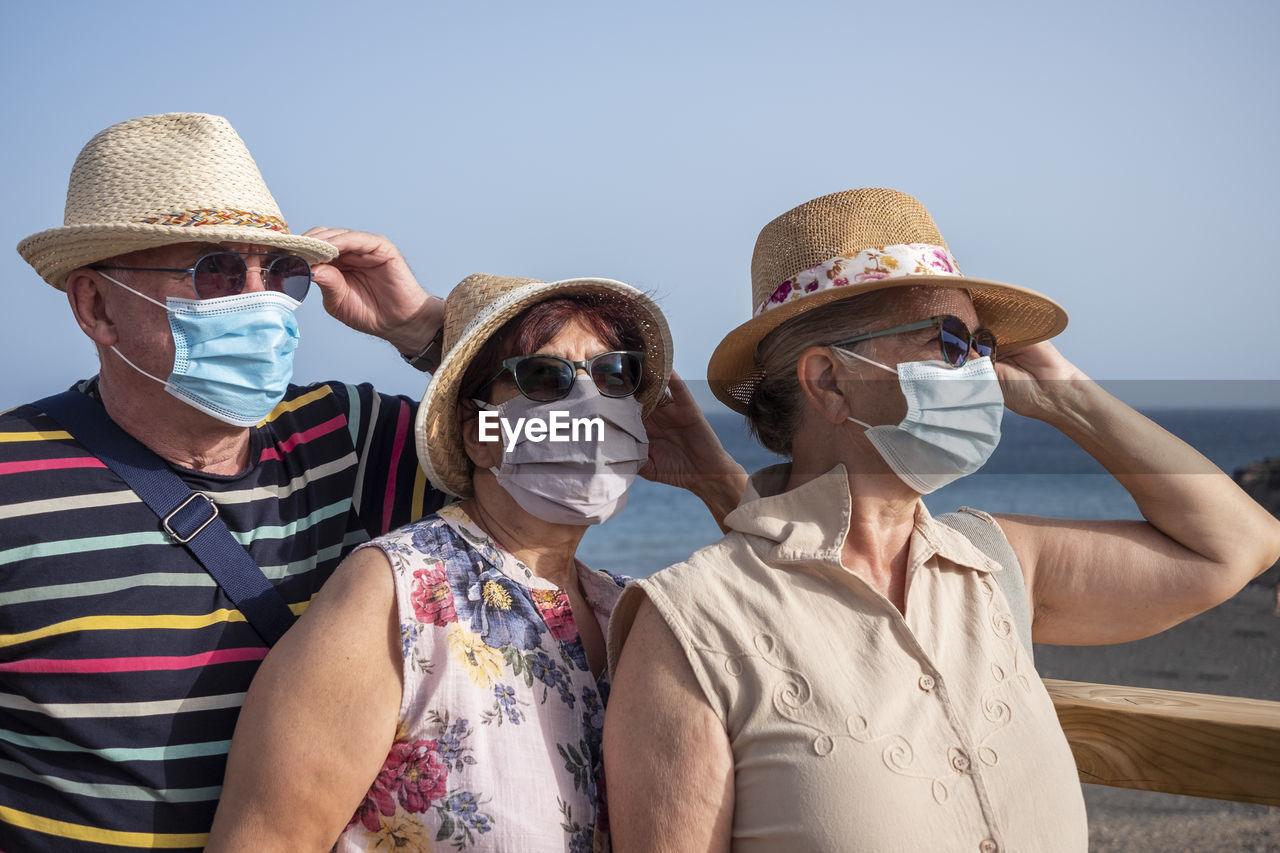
(1196, 744)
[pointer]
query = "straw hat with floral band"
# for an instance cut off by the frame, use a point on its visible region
(475, 310)
(855, 242)
(158, 180)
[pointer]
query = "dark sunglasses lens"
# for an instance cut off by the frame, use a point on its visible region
(984, 341)
(617, 374)
(219, 274)
(543, 379)
(289, 275)
(955, 341)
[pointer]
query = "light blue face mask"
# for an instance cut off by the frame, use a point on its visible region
(233, 356)
(952, 424)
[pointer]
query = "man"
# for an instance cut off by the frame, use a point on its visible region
(122, 662)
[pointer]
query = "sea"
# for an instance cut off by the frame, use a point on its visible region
(1036, 470)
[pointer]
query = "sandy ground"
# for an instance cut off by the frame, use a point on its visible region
(1233, 650)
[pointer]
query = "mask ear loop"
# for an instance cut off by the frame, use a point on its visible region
(113, 347)
(139, 369)
(134, 292)
(867, 360)
(864, 424)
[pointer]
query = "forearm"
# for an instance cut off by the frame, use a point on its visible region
(685, 452)
(1178, 491)
(721, 491)
(412, 336)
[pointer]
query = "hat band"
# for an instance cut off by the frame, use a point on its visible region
(902, 259)
(195, 218)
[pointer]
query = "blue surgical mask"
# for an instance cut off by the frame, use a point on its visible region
(233, 356)
(952, 424)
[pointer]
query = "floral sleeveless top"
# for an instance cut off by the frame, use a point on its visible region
(500, 722)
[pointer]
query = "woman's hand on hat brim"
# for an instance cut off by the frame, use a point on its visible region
(1038, 381)
(685, 452)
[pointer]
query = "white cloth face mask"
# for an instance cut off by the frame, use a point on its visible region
(579, 482)
(952, 425)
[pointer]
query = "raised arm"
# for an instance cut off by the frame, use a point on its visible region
(1096, 582)
(668, 764)
(370, 288)
(318, 720)
(686, 453)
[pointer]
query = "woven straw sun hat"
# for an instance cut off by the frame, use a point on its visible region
(158, 180)
(475, 310)
(855, 242)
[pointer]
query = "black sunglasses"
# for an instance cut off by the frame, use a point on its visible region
(224, 274)
(953, 336)
(547, 378)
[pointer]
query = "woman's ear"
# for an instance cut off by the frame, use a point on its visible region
(818, 373)
(88, 303)
(481, 433)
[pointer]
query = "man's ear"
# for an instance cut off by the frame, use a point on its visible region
(817, 371)
(483, 454)
(88, 303)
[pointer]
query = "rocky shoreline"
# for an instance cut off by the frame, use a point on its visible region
(1261, 481)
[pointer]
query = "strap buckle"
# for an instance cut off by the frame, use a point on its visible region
(183, 540)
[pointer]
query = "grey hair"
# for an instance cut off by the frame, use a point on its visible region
(776, 409)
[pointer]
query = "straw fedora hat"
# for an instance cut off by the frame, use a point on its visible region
(854, 242)
(157, 180)
(475, 310)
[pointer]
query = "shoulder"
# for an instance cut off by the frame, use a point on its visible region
(606, 578)
(323, 396)
(982, 531)
(358, 600)
(358, 401)
(430, 535)
(31, 415)
(703, 571)
(689, 590)
(28, 434)
(25, 417)
(362, 396)
(20, 414)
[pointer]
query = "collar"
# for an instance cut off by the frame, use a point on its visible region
(809, 523)
(599, 588)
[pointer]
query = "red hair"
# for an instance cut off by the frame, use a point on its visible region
(612, 321)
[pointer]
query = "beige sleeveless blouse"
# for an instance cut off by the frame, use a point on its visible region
(852, 727)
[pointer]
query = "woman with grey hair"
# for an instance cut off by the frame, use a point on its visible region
(843, 670)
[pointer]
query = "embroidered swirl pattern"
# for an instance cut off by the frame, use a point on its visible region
(790, 696)
(1006, 675)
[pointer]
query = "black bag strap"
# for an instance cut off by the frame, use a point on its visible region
(189, 517)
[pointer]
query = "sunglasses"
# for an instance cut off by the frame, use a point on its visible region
(547, 378)
(953, 336)
(224, 274)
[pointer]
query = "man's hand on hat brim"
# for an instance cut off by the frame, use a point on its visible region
(370, 288)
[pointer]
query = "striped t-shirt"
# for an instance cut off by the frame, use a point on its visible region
(122, 663)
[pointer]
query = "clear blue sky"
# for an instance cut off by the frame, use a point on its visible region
(1119, 156)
